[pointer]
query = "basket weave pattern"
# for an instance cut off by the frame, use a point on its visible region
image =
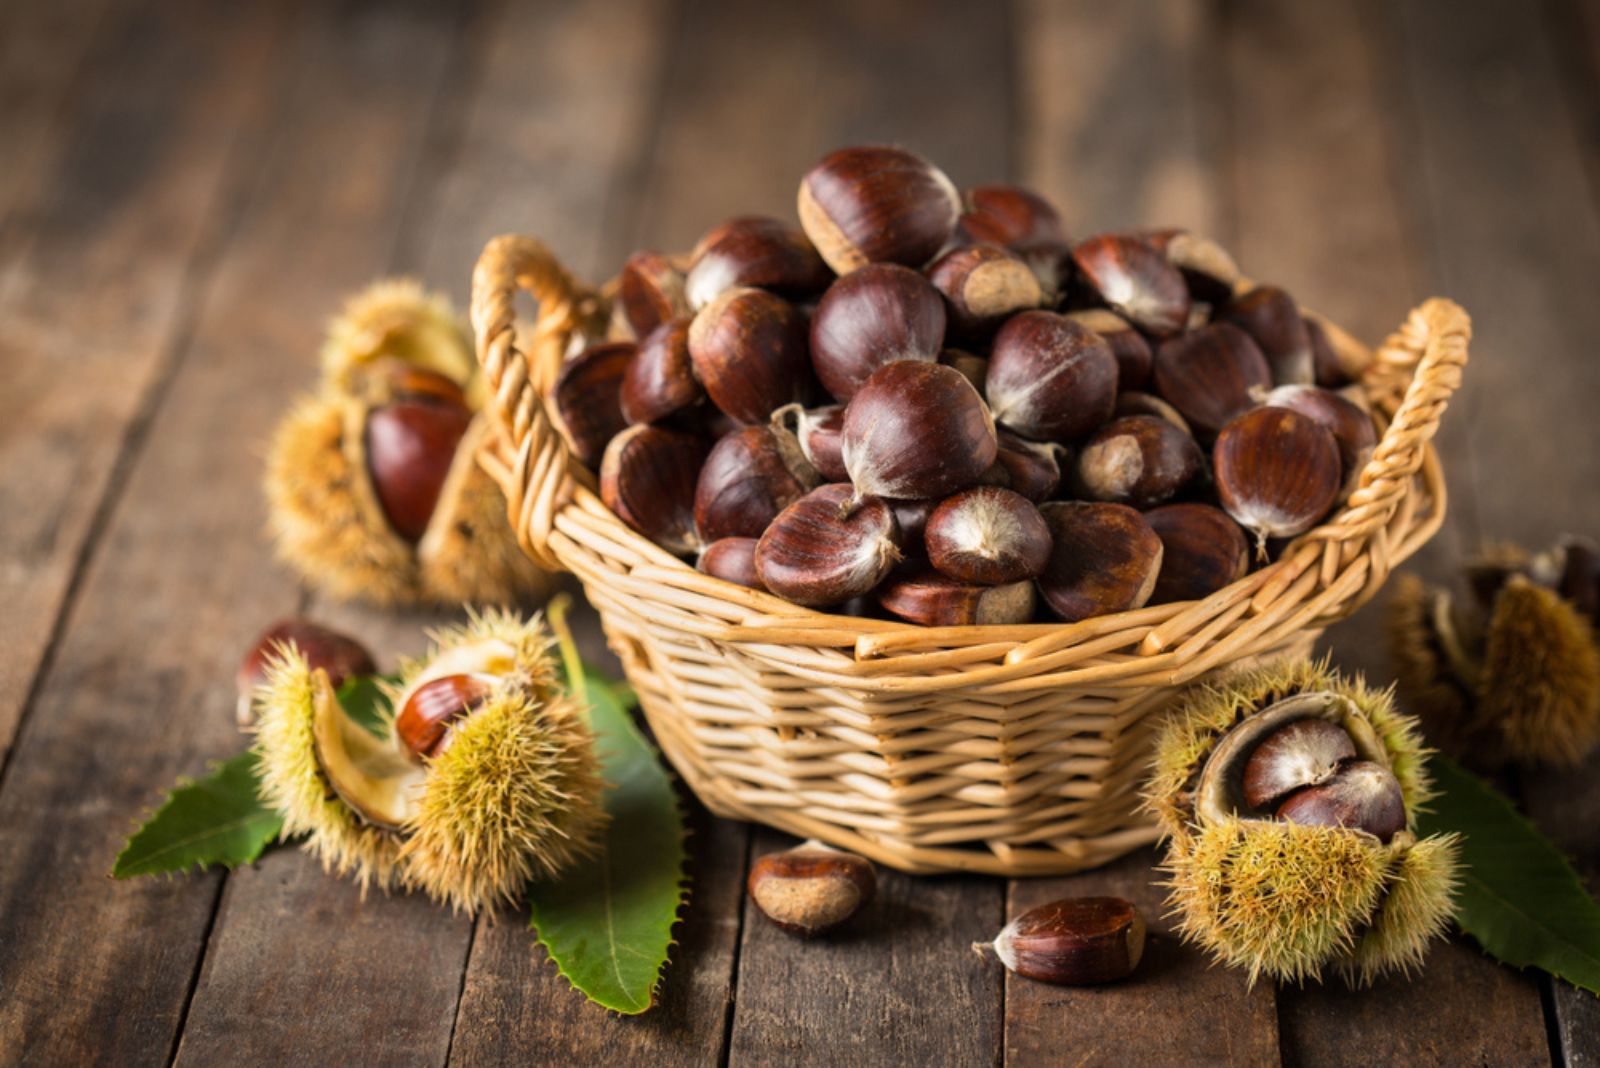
(1013, 750)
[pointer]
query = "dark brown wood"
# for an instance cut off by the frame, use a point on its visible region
(1176, 1008)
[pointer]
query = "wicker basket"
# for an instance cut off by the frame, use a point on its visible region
(1014, 750)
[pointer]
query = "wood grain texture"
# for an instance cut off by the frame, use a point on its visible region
(1176, 1008)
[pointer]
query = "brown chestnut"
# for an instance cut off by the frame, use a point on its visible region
(1140, 460)
(1127, 345)
(974, 367)
(732, 560)
(1272, 319)
(1050, 260)
(1350, 425)
(877, 204)
(1103, 558)
(747, 479)
(820, 432)
(1135, 403)
(828, 547)
(872, 317)
(647, 477)
(1325, 363)
(1305, 752)
(917, 430)
(1362, 796)
(411, 445)
(650, 292)
(659, 381)
(1009, 215)
(428, 711)
(812, 888)
(923, 595)
(987, 535)
(1050, 378)
(340, 655)
(1207, 269)
(1077, 941)
(1135, 281)
(1208, 375)
(981, 286)
(748, 349)
(754, 250)
(587, 398)
(1032, 468)
(1277, 471)
(1203, 550)
(912, 519)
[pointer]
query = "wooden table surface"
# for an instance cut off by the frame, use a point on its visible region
(187, 190)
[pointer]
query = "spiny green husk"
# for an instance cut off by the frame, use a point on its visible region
(396, 318)
(1288, 901)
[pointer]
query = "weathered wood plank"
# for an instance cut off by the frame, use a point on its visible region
(94, 280)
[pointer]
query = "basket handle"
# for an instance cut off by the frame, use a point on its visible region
(542, 474)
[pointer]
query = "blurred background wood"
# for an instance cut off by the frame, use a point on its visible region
(189, 189)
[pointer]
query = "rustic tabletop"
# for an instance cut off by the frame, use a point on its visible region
(189, 188)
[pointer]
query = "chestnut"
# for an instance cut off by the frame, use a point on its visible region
(811, 889)
(1208, 375)
(425, 717)
(1050, 260)
(650, 291)
(877, 204)
(647, 477)
(1272, 319)
(1032, 468)
(1203, 550)
(981, 286)
(923, 595)
(1305, 752)
(912, 519)
(987, 535)
(587, 398)
(828, 547)
(732, 560)
(1103, 558)
(1077, 941)
(1278, 472)
(1326, 366)
(974, 367)
(1362, 795)
(1135, 281)
(754, 250)
(1351, 426)
(1133, 402)
(1009, 215)
(820, 432)
(872, 317)
(325, 649)
(1206, 267)
(747, 479)
(1049, 377)
(659, 381)
(748, 349)
(1127, 345)
(1140, 460)
(411, 446)
(917, 430)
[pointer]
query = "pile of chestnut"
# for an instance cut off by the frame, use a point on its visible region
(931, 403)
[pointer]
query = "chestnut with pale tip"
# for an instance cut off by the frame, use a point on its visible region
(659, 381)
(411, 446)
(1132, 351)
(1008, 215)
(1133, 402)
(877, 204)
(820, 432)
(650, 292)
(1050, 379)
(828, 547)
(754, 250)
(915, 431)
(982, 285)
(1076, 941)
(811, 889)
(1202, 551)
(648, 477)
(926, 597)
(1352, 428)
(1272, 318)
(988, 536)
(428, 711)
(1206, 267)
(1050, 260)
(1304, 752)
(1361, 795)
(587, 397)
(873, 317)
(1141, 460)
(732, 560)
(1135, 281)
(1032, 468)
(1103, 558)
(748, 349)
(1277, 472)
(1209, 375)
(747, 479)
(324, 648)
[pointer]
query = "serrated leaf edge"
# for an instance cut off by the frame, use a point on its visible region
(142, 821)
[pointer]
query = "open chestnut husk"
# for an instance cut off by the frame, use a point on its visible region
(1050, 379)
(650, 292)
(1139, 460)
(732, 560)
(587, 398)
(1203, 550)
(1209, 375)
(748, 349)
(1132, 351)
(659, 381)
(872, 317)
(877, 204)
(754, 250)
(747, 479)
(917, 430)
(1272, 319)
(1277, 472)
(1135, 281)
(648, 476)
(927, 597)
(987, 535)
(1103, 558)
(828, 547)
(982, 285)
